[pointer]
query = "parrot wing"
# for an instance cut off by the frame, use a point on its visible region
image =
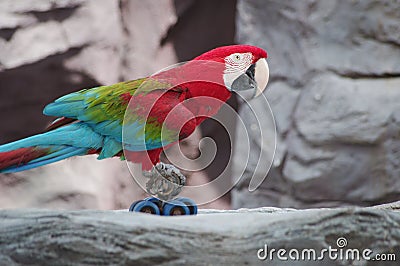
(95, 106)
(103, 110)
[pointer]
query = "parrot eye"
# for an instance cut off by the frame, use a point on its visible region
(236, 57)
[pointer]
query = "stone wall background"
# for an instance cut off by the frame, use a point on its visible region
(335, 94)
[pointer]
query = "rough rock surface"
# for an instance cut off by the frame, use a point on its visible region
(335, 93)
(212, 237)
(49, 48)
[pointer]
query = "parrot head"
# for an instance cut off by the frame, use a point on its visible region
(246, 67)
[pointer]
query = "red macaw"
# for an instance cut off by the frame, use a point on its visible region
(171, 103)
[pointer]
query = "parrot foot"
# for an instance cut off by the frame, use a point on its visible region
(165, 181)
(179, 206)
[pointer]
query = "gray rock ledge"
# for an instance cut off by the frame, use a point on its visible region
(48, 237)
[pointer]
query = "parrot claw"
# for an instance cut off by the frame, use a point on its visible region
(165, 181)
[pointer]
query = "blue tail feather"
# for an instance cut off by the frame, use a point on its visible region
(77, 135)
(59, 155)
(58, 151)
(55, 145)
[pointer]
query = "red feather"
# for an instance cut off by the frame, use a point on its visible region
(146, 158)
(62, 121)
(218, 54)
(20, 157)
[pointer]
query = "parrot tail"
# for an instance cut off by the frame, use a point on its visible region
(27, 158)
(46, 148)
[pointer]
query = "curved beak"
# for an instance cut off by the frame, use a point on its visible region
(255, 78)
(261, 75)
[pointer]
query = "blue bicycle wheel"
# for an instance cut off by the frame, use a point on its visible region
(155, 200)
(175, 207)
(147, 207)
(133, 205)
(190, 204)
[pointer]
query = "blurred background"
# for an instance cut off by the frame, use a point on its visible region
(334, 91)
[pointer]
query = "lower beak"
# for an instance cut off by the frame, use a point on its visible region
(255, 78)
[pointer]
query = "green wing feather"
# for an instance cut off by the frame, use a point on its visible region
(103, 109)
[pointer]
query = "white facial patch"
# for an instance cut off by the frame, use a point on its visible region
(236, 65)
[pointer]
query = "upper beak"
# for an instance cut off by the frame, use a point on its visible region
(261, 75)
(255, 78)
